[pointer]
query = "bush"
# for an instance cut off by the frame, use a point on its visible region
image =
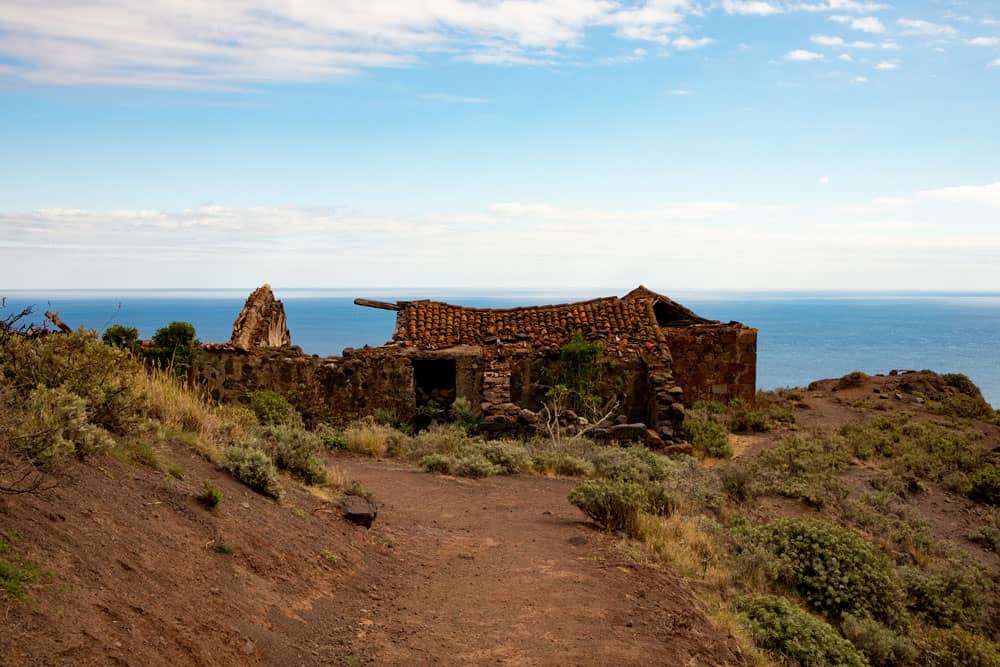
(963, 384)
(441, 439)
(987, 536)
(707, 437)
(851, 380)
(210, 497)
(476, 466)
(273, 409)
(743, 419)
(55, 427)
(945, 598)
(297, 451)
(966, 407)
(511, 456)
(334, 440)
(779, 626)
(17, 574)
(611, 504)
(439, 463)
(176, 346)
(368, 438)
(880, 645)
(355, 488)
(631, 464)
(252, 466)
(956, 647)
(566, 465)
(834, 569)
(126, 338)
(804, 468)
(986, 485)
(463, 415)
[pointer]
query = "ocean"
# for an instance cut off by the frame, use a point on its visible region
(803, 336)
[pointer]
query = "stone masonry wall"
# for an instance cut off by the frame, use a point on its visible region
(324, 389)
(714, 361)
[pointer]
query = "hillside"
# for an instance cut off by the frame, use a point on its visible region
(117, 559)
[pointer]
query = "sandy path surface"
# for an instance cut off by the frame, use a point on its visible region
(496, 571)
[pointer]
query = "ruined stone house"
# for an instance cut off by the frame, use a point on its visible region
(657, 356)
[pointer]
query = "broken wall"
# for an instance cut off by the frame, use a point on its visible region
(714, 362)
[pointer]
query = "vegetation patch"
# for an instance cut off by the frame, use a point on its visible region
(273, 409)
(15, 574)
(252, 466)
(210, 497)
(952, 647)
(297, 451)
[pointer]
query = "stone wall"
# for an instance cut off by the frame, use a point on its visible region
(714, 361)
(333, 390)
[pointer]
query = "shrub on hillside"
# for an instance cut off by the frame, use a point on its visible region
(273, 409)
(475, 465)
(439, 463)
(963, 384)
(297, 451)
(369, 438)
(707, 436)
(252, 466)
(210, 497)
(611, 504)
(565, 465)
(944, 598)
(463, 415)
(125, 338)
(512, 457)
(175, 347)
(800, 467)
(986, 485)
(851, 380)
(632, 464)
(880, 645)
(833, 568)
(779, 626)
(967, 407)
(744, 419)
(987, 536)
(955, 647)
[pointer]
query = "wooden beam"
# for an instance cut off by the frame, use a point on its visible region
(382, 305)
(54, 318)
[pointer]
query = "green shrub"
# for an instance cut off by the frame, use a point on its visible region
(251, 465)
(334, 440)
(565, 465)
(801, 467)
(126, 338)
(56, 426)
(210, 497)
(966, 407)
(890, 521)
(353, 487)
(707, 437)
(611, 504)
(834, 569)
(463, 415)
(956, 647)
(948, 597)
(273, 409)
(631, 464)
(439, 463)
(176, 347)
(475, 465)
(987, 536)
(779, 626)
(297, 451)
(15, 574)
(880, 645)
(176, 471)
(963, 384)
(744, 419)
(441, 439)
(224, 549)
(986, 485)
(512, 457)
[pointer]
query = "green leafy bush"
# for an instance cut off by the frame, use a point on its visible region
(15, 573)
(511, 456)
(334, 439)
(175, 346)
(880, 645)
(986, 485)
(210, 497)
(565, 465)
(273, 409)
(801, 467)
(966, 407)
(779, 626)
(987, 536)
(707, 437)
(475, 465)
(633, 464)
(126, 338)
(963, 384)
(439, 463)
(956, 647)
(297, 451)
(251, 465)
(611, 504)
(744, 419)
(463, 415)
(948, 597)
(834, 569)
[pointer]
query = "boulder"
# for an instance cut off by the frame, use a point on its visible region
(679, 449)
(653, 439)
(358, 510)
(628, 432)
(261, 323)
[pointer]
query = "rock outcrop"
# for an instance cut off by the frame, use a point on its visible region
(261, 323)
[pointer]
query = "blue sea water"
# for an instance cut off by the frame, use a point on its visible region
(803, 336)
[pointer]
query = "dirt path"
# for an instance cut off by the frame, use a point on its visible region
(497, 571)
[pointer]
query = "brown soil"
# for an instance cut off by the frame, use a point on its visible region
(498, 571)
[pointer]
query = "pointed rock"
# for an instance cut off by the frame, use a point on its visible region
(262, 322)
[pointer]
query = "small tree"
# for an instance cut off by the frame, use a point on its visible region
(175, 346)
(118, 335)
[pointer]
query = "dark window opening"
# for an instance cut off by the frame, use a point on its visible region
(434, 380)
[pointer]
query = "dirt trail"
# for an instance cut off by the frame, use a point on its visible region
(496, 571)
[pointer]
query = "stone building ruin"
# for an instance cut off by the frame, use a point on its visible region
(657, 357)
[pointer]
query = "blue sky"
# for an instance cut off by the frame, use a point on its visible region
(569, 143)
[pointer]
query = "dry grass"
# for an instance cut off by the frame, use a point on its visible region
(689, 544)
(368, 438)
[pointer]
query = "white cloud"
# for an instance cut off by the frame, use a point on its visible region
(861, 79)
(747, 8)
(840, 42)
(840, 6)
(685, 43)
(868, 24)
(985, 195)
(921, 27)
(637, 55)
(887, 65)
(823, 180)
(984, 41)
(846, 57)
(840, 18)
(995, 63)
(803, 56)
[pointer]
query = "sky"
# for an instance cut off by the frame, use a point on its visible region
(765, 144)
